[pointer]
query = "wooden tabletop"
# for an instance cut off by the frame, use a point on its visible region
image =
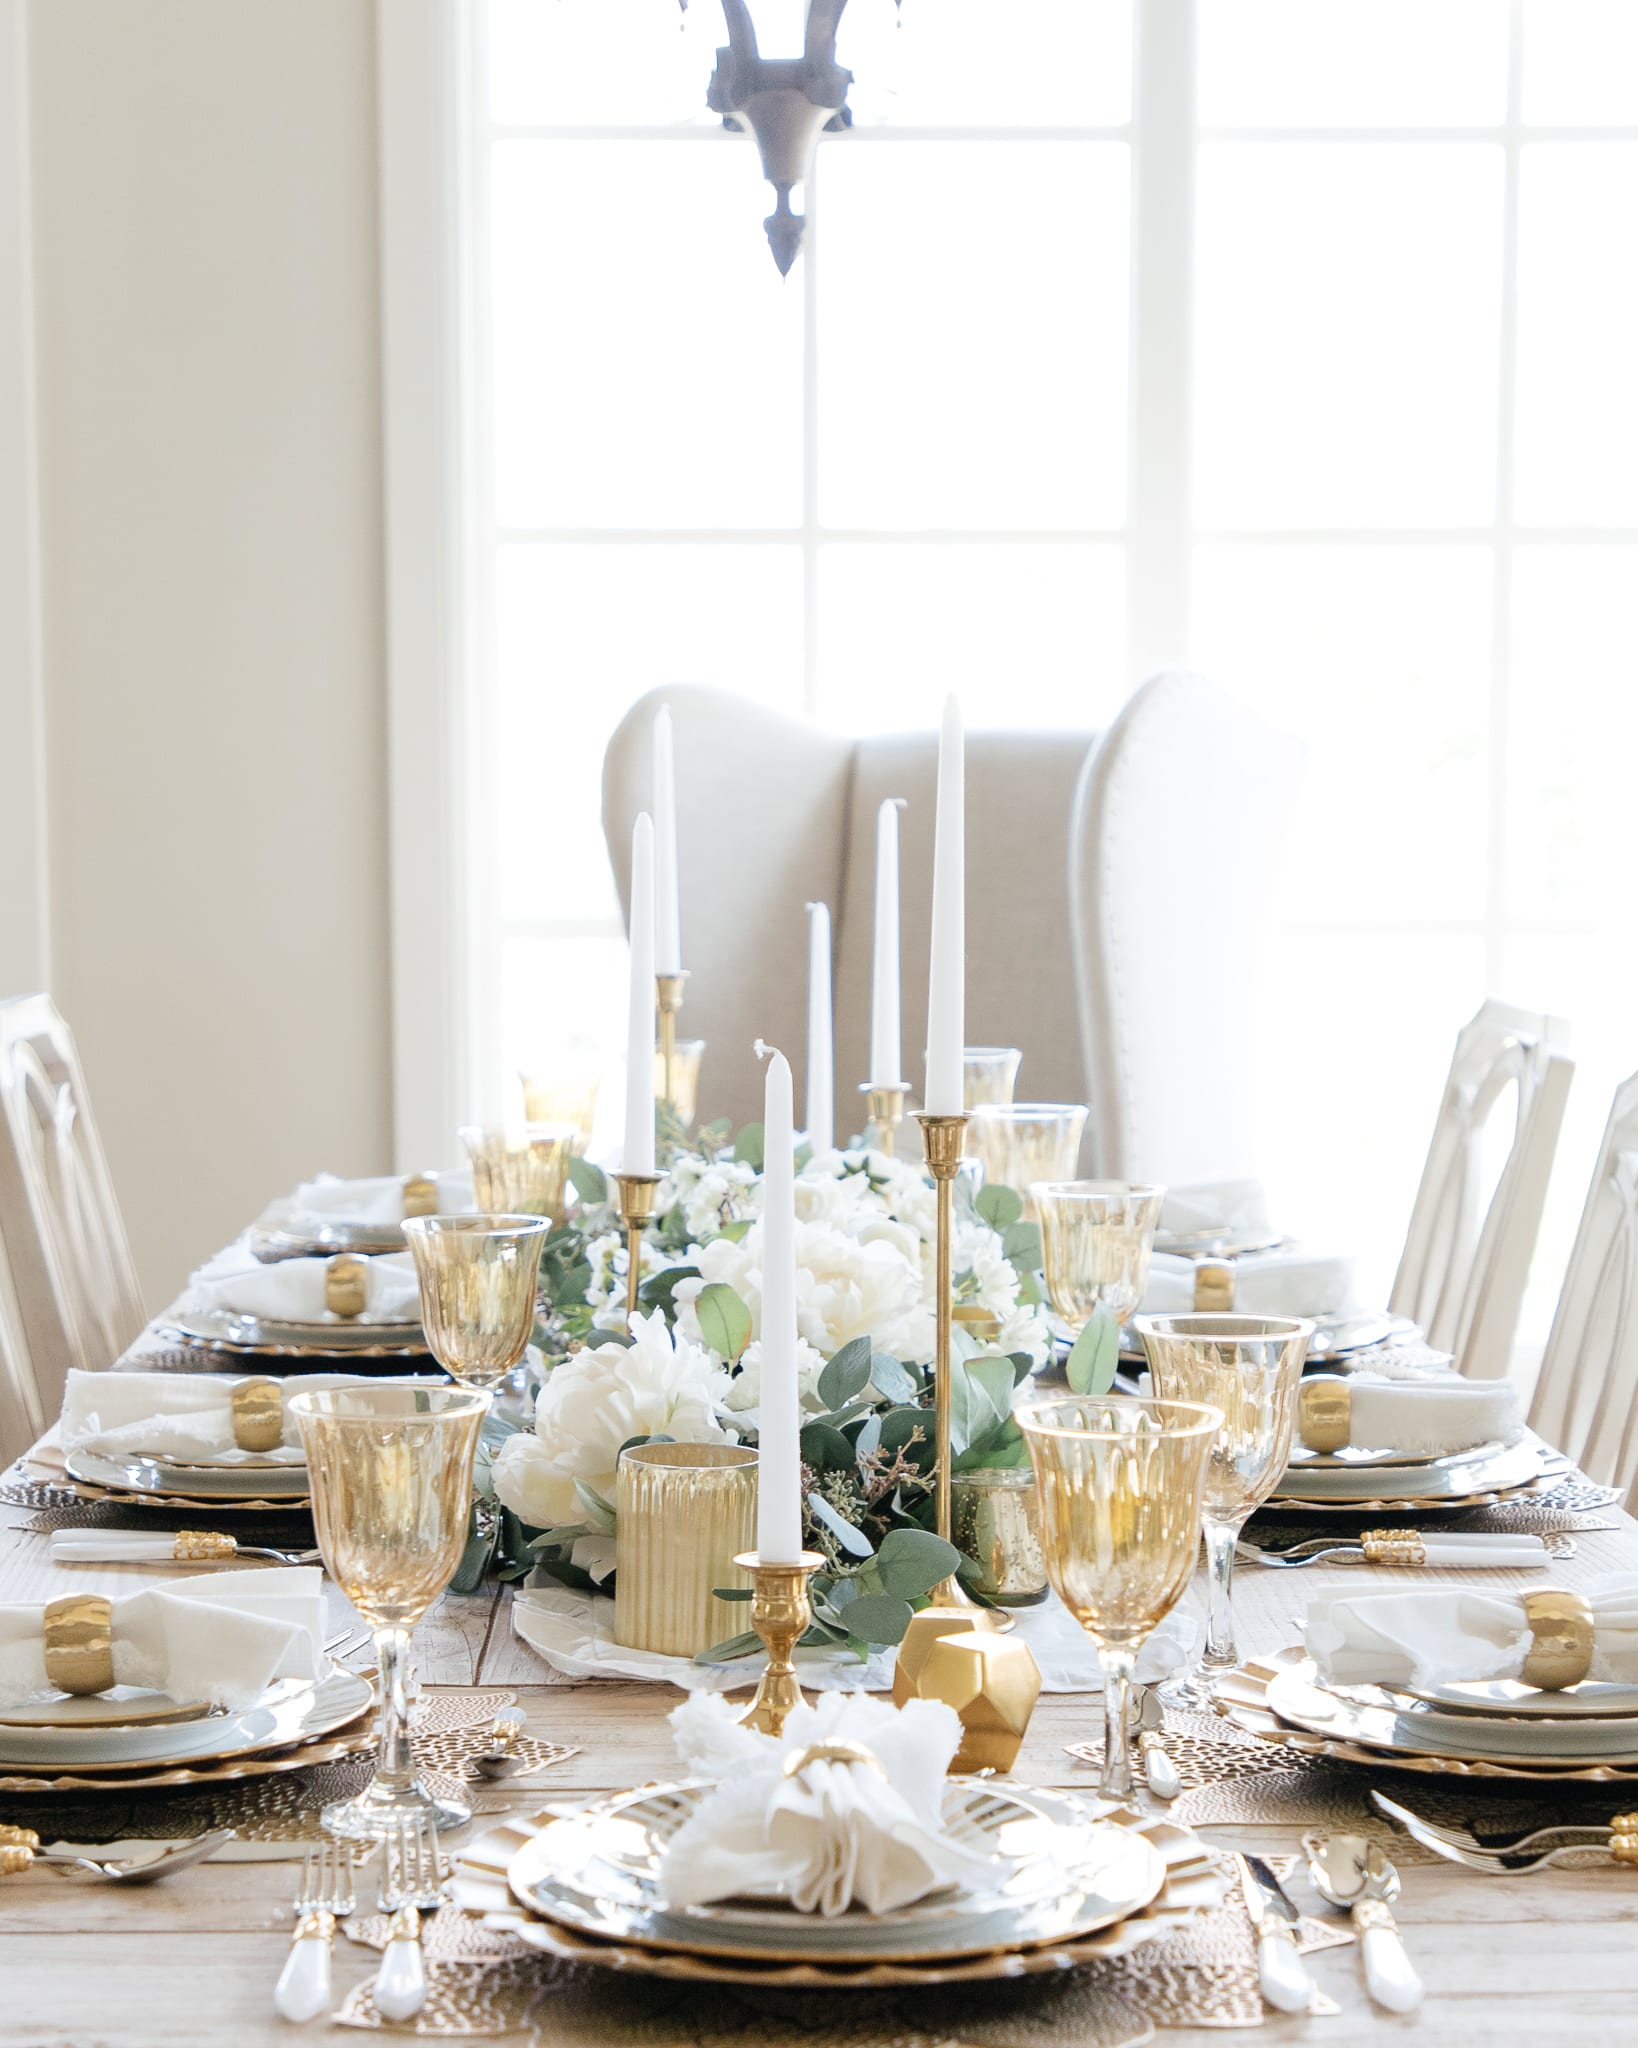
(1517, 1960)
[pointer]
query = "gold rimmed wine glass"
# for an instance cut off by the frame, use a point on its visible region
(1097, 1237)
(1120, 1483)
(390, 1468)
(1250, 1367)
(479, 1276)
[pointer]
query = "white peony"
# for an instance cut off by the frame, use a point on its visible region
(597, 1400)
(745, 1392)
(845, 1288)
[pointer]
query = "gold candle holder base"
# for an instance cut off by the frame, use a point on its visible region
(637, 1191)
(668, 997)
(884, 1107)
(779, 1614)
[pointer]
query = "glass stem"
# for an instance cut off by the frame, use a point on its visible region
(1220, 1650)
(1118, 1664)
(395, 1767)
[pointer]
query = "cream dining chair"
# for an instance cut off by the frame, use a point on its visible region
(71, 1268)
(1465, 1264)
(22, 1419)
(775, 811)
(1586, 1397)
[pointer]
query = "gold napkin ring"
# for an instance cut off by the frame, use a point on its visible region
(344, 1293)
(833, 1752)
(18, 1838)
(1324, 1414)
(79, 1643)
(1213, 1287)
(1561, 1639)
(1393, 1546)
(258, 1414)
(196, 1546)
(420, 1195)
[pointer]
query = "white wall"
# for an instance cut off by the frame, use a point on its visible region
(209, 480)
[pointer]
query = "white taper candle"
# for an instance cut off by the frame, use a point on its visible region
(946, 981)
(667, 914)
(821, 1118)
(779, 1467)
(638, 1153)
(886, 1062)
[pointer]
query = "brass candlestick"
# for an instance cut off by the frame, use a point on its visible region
(943, 1138)
(668, 994)
(779, 1614)
(636, 1207)
(885, 1109)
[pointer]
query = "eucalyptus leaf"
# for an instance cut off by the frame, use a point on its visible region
(748, 1146)
(854, 1541)
(826, 1449)
(1093, 1357)
(731, 1592)
(730, 1651)
(598, 1511)
(912, 1562)
(659, 1289)
(590, 1183)
(1021, 1244)
(998, 1205)
(868, 1441)
(879, 1617)
(899, 1425)
(893, 1381)
(847, 1374)
(596, 1338)
(725, 1321)
(736, 1228)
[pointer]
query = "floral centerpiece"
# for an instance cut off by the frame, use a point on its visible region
(688, 1368)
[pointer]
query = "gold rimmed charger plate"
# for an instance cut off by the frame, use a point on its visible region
(1242, 1700)
(1193, 1885)
(352, 1740)
(1513, 1475)
(245, 1336)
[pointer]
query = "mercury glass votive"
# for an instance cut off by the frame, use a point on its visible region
(686, 1511)
(1020, 1143)
(995, 1519)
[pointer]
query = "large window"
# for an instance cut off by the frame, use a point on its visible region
(1292, 338)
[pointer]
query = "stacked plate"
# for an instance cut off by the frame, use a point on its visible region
(330, 1337)
(1493, 1728)
(1069, 1884)
(1399, 1482)
(129, 1738)
(169, 1483)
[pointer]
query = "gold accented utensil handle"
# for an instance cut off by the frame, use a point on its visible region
(1393, 1546)
(1389, 1977)
(79, 1644)
(202, 1546)
(303, 1989)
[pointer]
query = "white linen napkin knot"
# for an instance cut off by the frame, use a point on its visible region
(1445, 1634)
(1277, 1283)
(224, 1637)
(837, 1832)
(184, 1415)
(1425, 1417)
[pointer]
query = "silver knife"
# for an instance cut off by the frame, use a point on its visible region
(1159, 1772)
(1282, 1975)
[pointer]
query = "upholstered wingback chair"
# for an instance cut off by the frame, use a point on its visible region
(1089, 868)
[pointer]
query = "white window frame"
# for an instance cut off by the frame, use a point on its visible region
(446, 935)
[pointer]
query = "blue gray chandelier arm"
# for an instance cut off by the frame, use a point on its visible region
(785, 102)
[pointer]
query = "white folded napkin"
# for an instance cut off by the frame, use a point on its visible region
(223, 1637)
(292, 1290)
(379, 1201)
(836, 1832)
(1446, 1634)
(1424, 1417)
(1277, 1283)
(1239, 1206)
(185, 1415)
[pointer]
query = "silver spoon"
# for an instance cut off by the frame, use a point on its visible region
(145, 1869)
(1354, 1875)
(500, 1759)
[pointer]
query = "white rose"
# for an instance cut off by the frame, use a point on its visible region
(593, 1403)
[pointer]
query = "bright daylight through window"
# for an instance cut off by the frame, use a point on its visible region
(1363, 321)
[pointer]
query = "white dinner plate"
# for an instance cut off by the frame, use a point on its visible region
(160, 1476)
(294, 1710)
(1353, 1458)
(1449, 1480)
(1597, 1697)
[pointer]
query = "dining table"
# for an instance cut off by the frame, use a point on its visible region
(1512, 1961)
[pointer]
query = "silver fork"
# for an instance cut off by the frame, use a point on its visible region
(324, 1895)
(412, 1883)
(1513, 1859)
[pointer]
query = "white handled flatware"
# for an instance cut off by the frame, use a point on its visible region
(1355, 1875)
(411, 1884)
(1282, 1975)
(324, 1895)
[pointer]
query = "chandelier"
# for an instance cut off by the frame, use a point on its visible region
(785, 102)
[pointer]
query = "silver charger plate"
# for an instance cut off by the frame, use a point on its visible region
(1432, 1485)
(220, 1329)
(1377, 1719)
(217, 1482)
(1351, 1458)
(1221, 1243)
(1056, 1879)
(1508, 1697)
(291, 1711)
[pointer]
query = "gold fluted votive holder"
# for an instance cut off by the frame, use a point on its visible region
(686, 1513)
(637, 1192)
(884, 1111)
(780, 1615)
(996, 1521)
